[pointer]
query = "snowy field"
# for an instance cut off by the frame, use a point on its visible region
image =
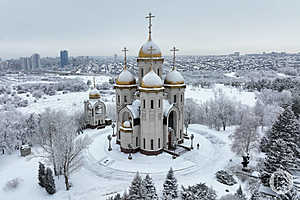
(105, 172)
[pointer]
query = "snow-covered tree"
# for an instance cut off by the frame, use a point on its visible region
(135, 191)
(50, 184)
(280, 156)
(170, 187)
(198, 192)
(246, 137)
(286, 128)
(148, 189)
(58, 138)
(42, 175)
(190, 110)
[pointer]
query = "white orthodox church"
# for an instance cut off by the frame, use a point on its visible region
(150, 110)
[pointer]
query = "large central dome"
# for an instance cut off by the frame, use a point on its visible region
(145, 50)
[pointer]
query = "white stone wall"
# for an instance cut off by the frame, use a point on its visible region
(151, 120)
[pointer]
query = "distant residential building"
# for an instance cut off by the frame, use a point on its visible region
(236, 53)
(26, 63)
(64, 59)
(35, 61)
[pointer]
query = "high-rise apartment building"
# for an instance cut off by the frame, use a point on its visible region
(64, 59)
(36, 61)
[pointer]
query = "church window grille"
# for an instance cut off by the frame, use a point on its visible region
(152, 104)
(144, 143)
(174, 98)
(152, 144)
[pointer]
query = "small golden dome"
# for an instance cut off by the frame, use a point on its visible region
(145, 50)
(94, 94)
(125, 78)
(151, 80)
(126, 124)
(174, 78)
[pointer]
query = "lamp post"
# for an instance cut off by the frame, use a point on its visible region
(192, 138)
(113, 127)
(109, 141)
(130, 150)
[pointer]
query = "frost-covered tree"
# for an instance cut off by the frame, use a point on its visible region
(50, 184)
(198, 192)
(290, 195)
(170, 187)
(148, 189)
(286, 128)
(246, 137)
(135, 191)
(190, 110)
(279, 156)
(42, 175)
(58, 138)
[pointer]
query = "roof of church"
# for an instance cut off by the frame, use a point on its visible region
(174, 78)
(151, 80)
(145, 51)
(125, 78)
(94, 94)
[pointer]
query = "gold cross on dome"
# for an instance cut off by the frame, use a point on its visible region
(174, 56)
(150, 16)
(125, 57)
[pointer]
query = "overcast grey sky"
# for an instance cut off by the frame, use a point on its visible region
(196, 27)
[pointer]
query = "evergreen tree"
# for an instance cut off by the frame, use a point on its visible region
(286, 128)
(279, 156)
(50, 184)
(198, 192)
(135, 189)
(148, 188)
(170, 187)
(42, 175)
(291, 195)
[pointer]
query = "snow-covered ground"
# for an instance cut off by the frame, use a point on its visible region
(105, 172)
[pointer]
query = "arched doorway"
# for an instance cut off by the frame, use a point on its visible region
(172, 130)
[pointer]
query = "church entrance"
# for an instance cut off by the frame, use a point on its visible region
(172, 130)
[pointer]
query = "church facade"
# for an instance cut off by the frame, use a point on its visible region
(149, 112)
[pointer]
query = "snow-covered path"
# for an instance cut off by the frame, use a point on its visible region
(192, 167)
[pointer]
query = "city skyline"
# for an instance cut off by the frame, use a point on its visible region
(101, 28)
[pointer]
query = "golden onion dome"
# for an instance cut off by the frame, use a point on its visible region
(174, 78)
(145, 50)
(94, 94)
(151, 80)
(125, 78)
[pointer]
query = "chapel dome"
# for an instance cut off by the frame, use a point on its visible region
(151, 80)
(126, 124)
(125, 78)
(94, 94)
(174, 78)
(145, 50)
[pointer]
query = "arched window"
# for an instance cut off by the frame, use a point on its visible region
(144, 103)
(142, 72)
(159, 103)
(158, 142)
(174, 98)
(152, 104)
(136, 141)
(158, 72)
(144, 143)
(152, 145)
